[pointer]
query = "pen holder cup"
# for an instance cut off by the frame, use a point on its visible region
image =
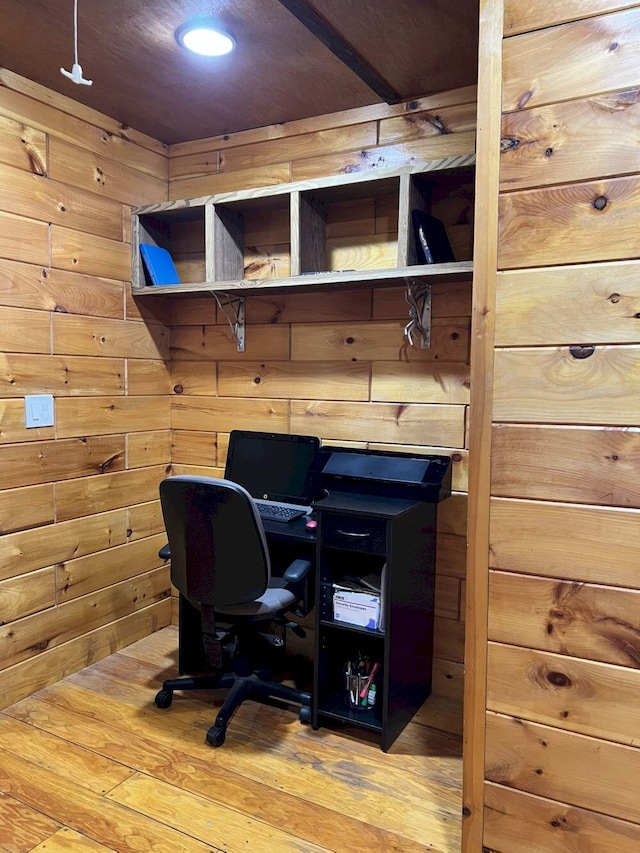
(355, 685)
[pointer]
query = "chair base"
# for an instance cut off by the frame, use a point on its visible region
(240, 687)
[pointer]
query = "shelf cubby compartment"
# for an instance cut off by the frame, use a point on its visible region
(178, 227)
(336, 648)
(346, 227)
(349, 568)
(448, 195)
(250, 238)
(327, 619)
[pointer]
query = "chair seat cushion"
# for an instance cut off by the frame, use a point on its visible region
(275, 599)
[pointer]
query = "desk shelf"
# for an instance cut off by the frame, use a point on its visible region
(354, 629)
(334, 707)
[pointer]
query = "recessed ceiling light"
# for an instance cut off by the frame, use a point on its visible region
(202, 36)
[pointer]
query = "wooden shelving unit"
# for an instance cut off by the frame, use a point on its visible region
(206, 236)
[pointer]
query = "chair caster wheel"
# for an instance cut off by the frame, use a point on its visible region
(164, 698)
(305, 714)
(216, 736)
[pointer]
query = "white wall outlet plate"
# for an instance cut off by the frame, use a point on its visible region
(39, 410)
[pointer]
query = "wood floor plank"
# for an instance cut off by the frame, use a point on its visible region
(428, 752)
(159, 649)
(60, 756)
(382, 795)
(204, 819)
(68, 841)
(274, 786)
(279, 735)
(440, 712)
(89, 813)
(134, 681)
(21, 827)
(129, 680)
(65, 718)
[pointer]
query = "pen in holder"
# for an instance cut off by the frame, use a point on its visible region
(359, 684)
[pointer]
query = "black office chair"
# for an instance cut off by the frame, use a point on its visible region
(220, 564)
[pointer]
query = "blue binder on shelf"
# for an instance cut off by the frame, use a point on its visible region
(159, 265)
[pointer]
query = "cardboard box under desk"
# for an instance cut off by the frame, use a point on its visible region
(357, 608)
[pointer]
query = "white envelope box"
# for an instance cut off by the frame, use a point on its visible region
(357, 608)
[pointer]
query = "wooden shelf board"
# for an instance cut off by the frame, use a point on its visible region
(430, 273)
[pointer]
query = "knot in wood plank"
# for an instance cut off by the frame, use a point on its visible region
(582, 351)
(508, 142)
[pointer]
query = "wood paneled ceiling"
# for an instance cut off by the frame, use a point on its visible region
(279, 72)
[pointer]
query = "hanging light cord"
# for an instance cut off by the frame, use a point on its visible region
(76, 72)
(75, 30)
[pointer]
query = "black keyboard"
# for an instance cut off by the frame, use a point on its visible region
(273, 512)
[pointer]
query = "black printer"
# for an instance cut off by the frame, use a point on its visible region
(384, 473)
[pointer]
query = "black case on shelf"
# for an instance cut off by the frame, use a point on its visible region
(431, 238)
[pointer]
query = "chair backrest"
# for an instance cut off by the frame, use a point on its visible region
(219, 553)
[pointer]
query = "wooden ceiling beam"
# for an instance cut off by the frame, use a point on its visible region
(340, 47)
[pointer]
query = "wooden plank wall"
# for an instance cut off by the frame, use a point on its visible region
(80, 524)
(485, 261)
(562, 749)
(334, 364)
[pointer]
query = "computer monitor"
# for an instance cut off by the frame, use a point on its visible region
(273, 466)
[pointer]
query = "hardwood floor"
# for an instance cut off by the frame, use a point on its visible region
(89, 764)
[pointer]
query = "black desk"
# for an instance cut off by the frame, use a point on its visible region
(292, 532)
(379, 518)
